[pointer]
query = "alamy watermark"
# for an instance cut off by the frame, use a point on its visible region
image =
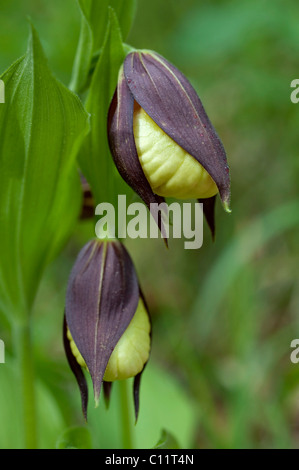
(2, 92)
(295, 353)
(2, 352)
(135, 221)
(295, 93)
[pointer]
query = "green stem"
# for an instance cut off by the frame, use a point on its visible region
(128, 48)
(23, 347)
(126, 425)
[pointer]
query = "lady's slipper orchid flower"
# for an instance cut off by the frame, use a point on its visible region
(161, 138)
(107, 327)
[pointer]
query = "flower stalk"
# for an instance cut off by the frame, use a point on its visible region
(26, 377)
(126, 425)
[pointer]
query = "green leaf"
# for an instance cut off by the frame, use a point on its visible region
(75, 438)
(42, 125)
(51, 421)
(94, 26)
(95, 159)
(83, 58)
(97, 14)
(125, 11)
(167, 441)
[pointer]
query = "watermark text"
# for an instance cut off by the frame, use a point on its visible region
(295, 92)
(295, 353)
(135, 221)
(2, 92)
(2, 352)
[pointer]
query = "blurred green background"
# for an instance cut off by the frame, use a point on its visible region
(220, 374)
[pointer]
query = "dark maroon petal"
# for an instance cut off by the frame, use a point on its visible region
(170, 100)
(123, 148)
(209, 212)
(137, 379)
(102, 298)
(76, 369)
(107, 387)
(136, 394)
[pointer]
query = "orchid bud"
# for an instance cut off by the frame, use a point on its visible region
(107, 328)
(161, 139)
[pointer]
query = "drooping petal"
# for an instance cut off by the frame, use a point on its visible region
(107, 387)
(136, 394)
(102, 297)
(208, 206)
(137, 378)
(123, 148)
(170, 100)
(76, 369)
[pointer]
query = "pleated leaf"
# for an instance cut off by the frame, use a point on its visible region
(42, 125)
(95, 159)
(94, 27)
(97, 14)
